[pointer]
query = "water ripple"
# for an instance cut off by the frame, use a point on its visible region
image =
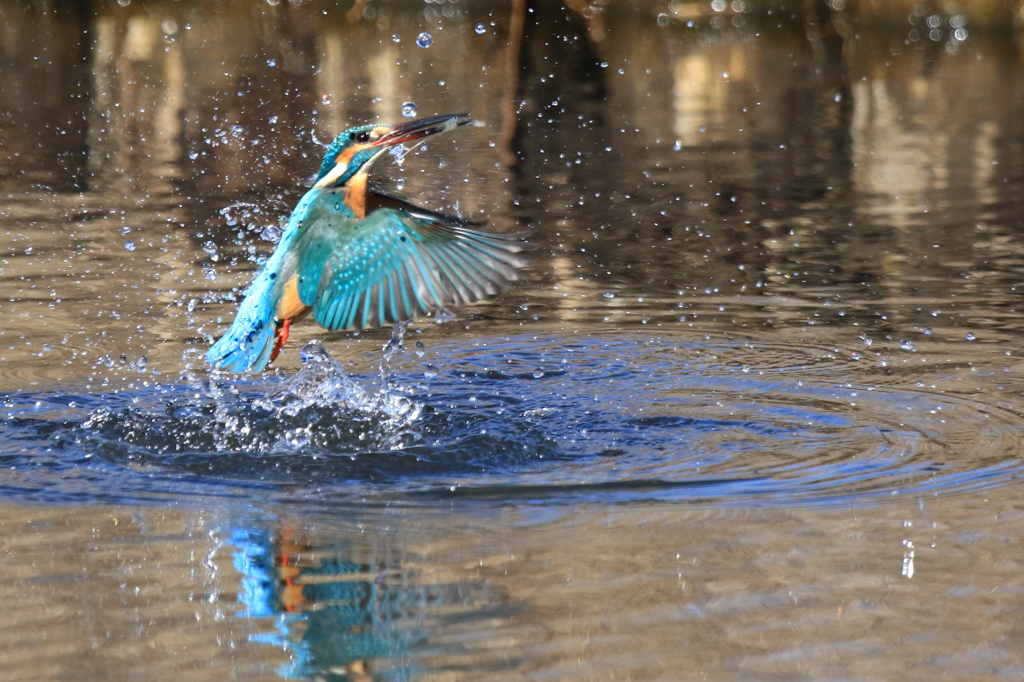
(606, 418)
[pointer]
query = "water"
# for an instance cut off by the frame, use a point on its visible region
(754, 412)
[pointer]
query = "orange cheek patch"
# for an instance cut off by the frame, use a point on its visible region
(346, 156)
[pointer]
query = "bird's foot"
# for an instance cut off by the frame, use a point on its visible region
(280, 336)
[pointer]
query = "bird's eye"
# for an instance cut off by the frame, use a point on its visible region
(363, 136)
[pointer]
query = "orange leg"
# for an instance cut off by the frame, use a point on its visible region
(280, 336)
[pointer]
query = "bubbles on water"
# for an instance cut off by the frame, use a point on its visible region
(538, 374)
(271, 233)
(480, 29)
(210, 274)
(907, 345)
(210, 247)
(430, 371)
(129, 245)
(409, 109)
(424, 39)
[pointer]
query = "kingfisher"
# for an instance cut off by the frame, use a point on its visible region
(357, 259)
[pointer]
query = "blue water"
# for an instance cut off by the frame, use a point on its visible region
(591, 417)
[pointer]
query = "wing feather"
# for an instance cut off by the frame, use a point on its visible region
(393, 266)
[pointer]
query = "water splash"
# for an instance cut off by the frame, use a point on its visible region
(323, 383)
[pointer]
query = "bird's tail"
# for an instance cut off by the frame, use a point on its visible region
(249, 341)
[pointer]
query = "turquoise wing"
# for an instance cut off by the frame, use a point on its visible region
(393, 266)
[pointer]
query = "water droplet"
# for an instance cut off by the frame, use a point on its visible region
(325, 99)
(271, 234)
(271, 63)
(396, 38)
(210, 247)
(538, 373)
(480, 29)
(46, 348)
(420, 349)
(424, 39)
(192, 304)
(313, 351)
(971, 336)
(193, 155)
(604, 65)
(430, 371)
(609, 294)
(855, 355)
(394, 344)
(124, 3)
(927, 331)
(907, 345)
(442, 316)
(130, 246)
(210, 273)
(408, 109)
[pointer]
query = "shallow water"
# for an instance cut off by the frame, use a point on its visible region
(753, 413)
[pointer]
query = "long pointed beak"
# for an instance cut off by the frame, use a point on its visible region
(422, 127)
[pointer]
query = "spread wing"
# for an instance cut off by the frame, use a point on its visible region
(393, 265)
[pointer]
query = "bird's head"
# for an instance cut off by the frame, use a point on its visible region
(354, 151)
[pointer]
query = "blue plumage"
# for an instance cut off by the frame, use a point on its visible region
(357, 260)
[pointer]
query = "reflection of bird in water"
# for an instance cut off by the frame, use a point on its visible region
(356, 259)
(346, 612)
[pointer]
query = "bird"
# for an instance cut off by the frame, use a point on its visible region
(357, 259)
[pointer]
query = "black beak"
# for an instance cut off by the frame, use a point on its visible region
(422, 127)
